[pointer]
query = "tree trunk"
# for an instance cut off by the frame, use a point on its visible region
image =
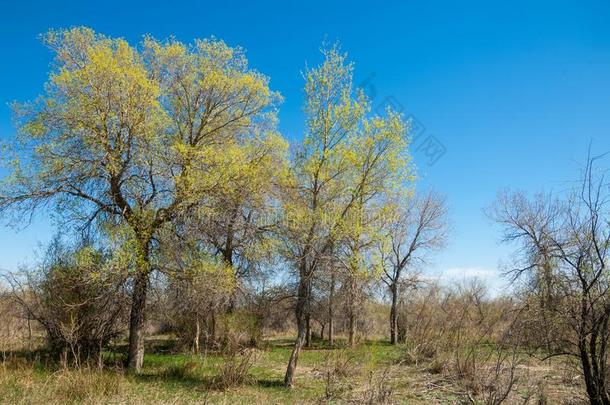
(213, 327)
(322, 326)
(100, 357)
(29, 334)
(394, 315)
(308, 334)
(231, 306)
(402, 333)
(301, 312)
(137, 321)
(331, 311)
(352, 311)
(594, 383)
(352, 330)
(197, 335)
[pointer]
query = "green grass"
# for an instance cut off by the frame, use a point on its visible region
(266, 376)
(183, 378)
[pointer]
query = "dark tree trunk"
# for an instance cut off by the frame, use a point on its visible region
(593, 356)
(352, 311)
(213, 326)
(308, 334)
(137, 320)
(402, 333)
(331, 311)
(352, 329)
(394, 314)
(29, 334)
(590, 383)
(301, 312)
(210, 328)
(595, 383)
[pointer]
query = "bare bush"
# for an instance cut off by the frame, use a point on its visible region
(17, 330)
(465, 336)
(339, 367)
(235, 369)
(378, 389)
(236, 365)
(77, 296)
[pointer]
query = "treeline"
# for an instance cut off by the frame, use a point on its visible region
(165, 158)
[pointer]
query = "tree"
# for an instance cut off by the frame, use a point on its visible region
(136, 137)
(346, 158)
(415, 229)
(363, 231)
(564, 242)
(329, 282)
(237, 223)
(196, 287)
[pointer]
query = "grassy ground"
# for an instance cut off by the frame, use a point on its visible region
(371, 373)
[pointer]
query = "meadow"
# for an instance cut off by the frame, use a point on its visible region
(374, 372)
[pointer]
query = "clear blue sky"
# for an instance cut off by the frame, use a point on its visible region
(513, 91)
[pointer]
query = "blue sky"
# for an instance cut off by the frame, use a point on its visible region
(512, 92)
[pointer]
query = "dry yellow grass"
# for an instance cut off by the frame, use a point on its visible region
(370, 373)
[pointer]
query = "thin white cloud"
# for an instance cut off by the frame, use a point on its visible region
(458, 275)
(468, 272)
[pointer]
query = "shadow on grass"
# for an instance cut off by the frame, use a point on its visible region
(323, 344)
(190, 382)
(316, 344)
(46, 359)
(267, 383)
(203, 383)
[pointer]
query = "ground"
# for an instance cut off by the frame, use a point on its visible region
(370, 373)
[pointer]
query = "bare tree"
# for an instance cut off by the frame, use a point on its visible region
(418, 228)
(564, 246)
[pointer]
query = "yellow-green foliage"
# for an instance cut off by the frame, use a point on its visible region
(143, 134)
(350, 166)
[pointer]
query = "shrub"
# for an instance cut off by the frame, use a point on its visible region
(235, 369)
(76, 294)
(379, 390)
(465, 336)
(338, 368)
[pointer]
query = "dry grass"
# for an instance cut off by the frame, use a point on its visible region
(21, 383)
(370, 373)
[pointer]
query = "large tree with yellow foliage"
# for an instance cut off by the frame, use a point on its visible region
(350, 161)
(136, 137)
